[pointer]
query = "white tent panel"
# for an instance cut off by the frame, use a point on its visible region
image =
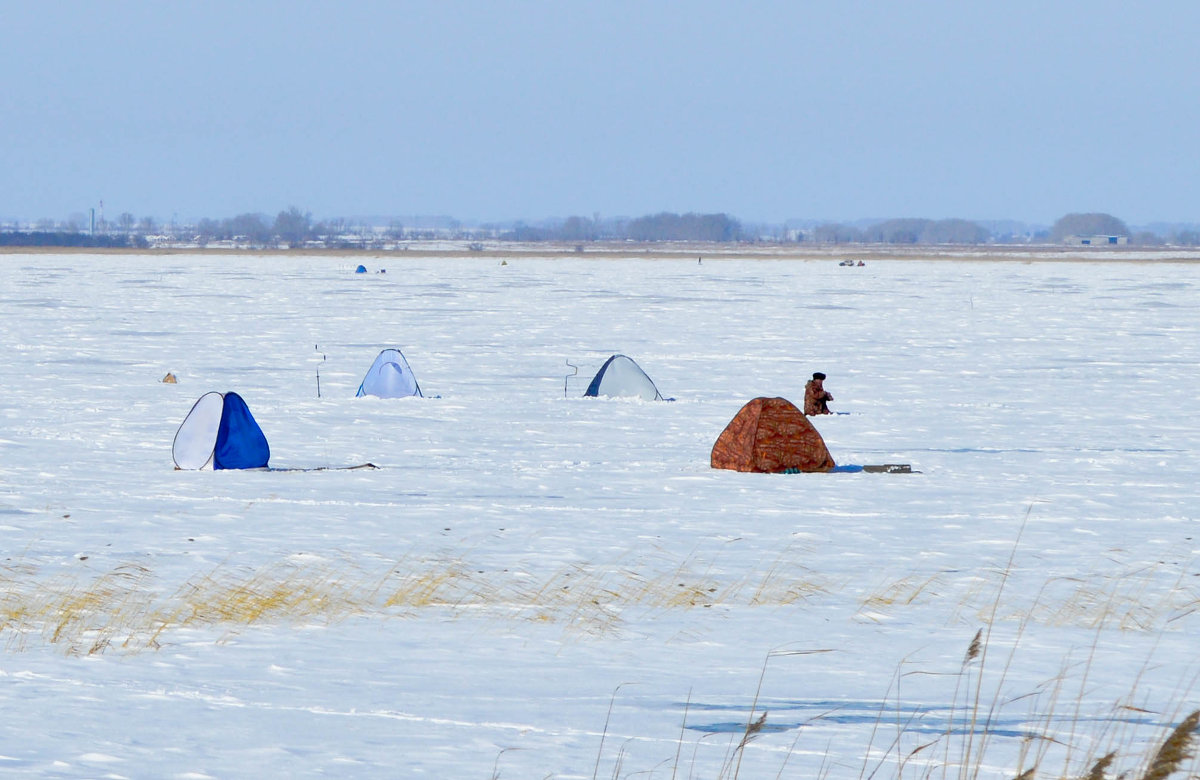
(196, 437)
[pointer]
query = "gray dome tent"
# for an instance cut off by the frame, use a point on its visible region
(389, 377)
(621, 377)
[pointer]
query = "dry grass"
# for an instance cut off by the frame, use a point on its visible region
(961, 750)
(905, 591)
(127, 609)
(1145, 600)
(1125, 598)
(1175, 751)
(83, 615)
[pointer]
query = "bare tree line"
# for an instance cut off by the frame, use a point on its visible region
(293, 228)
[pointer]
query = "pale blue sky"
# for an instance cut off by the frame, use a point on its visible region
(526, 110)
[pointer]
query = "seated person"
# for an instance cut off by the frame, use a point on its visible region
(816, 398)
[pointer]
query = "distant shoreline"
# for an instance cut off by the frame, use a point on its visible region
(680, 251)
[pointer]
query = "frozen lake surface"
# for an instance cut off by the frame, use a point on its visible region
(532, 584)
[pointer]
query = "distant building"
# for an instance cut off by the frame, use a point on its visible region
(1096, 240)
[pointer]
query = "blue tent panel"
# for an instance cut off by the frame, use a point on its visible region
(240, 442)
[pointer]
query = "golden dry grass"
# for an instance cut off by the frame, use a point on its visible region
(126, 608)
(1175, 750)
(129, 608)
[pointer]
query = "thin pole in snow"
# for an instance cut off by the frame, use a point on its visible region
(568, 376)
(318, 349)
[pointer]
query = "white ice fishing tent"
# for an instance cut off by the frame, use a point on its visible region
(389, 377)
(621, 377)
(220, 433)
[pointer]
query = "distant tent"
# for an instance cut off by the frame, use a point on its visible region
(771, 435)
(389, 377)
(220, 433)
(619, 377)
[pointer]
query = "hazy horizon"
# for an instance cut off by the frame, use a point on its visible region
(432, 221)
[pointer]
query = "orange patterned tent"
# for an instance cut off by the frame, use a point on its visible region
(770, 435)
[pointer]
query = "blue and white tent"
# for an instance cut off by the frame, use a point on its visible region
(389, 377)
(220, 433)
(619, 377)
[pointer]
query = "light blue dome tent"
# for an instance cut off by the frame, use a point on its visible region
(389, 377)
(621, 377)
(220, 433)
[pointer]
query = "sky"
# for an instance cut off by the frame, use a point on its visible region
(494, 111)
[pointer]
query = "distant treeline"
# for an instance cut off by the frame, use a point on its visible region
(68, 239)
(905, 231)
(1071, 228)
(295, 228)
(658, 227)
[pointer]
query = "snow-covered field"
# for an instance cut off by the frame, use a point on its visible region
(533, 584)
